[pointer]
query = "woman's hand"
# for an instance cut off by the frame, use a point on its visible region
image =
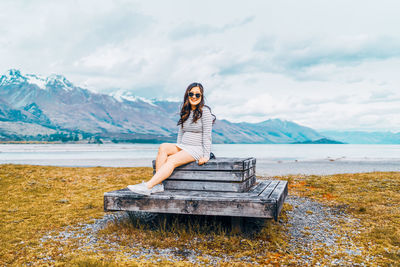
(202, 160)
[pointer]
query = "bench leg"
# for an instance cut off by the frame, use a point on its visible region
(237, 224)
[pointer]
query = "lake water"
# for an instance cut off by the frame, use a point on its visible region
(276, 159)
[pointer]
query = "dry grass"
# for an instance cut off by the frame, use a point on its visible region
(372, 198)
(38, 200)
(208, 235)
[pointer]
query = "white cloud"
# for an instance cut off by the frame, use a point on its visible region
(314, 62)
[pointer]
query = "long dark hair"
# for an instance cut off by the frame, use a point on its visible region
(186, 107)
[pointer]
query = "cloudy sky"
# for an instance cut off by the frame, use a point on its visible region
(329, 65)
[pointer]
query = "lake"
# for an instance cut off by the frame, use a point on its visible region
(272, 159)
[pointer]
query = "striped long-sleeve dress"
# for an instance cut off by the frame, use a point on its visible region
(195, 138)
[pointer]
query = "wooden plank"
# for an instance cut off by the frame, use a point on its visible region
(280, 192)
(219, 164)
(261, 185)
(186, 194)
(249, 163)
(209, 185)
(191, 195)
(226, 176)
(252, 192)
(268, 190)
(232, 207)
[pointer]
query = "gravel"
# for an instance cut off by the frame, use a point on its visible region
(313, 225)
(310, 224)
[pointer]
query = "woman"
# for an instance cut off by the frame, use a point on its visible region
(193, 142)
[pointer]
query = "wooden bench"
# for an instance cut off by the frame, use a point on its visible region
(222, 187)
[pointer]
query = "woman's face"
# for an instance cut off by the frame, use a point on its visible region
(193, 100)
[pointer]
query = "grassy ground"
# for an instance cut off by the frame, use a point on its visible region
(372, 198)
(39, 201)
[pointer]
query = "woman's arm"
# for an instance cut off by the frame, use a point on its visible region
(180, 132)
(206, 119)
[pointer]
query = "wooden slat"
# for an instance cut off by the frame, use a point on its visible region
(280, 193)
(252, 192)
(188, 195)
(218, 164)
(268, 190)
(260, 187)
(226, 176)
(232, 207)
(209, 185)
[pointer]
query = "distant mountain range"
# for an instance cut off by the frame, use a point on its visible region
(359, 137)
(52, 108)
(320, 141)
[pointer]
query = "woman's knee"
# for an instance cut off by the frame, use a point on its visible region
(168, 148)
(163, 147)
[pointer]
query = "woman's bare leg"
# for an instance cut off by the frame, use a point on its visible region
(165, 150)
(173, 161)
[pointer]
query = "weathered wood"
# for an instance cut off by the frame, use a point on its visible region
(260, 186)
(268, 190)
(231, 176)
(231, 207)
(249, 204)
(280, 193)
(218, 164)
(247, 164)
(209, 185)
(251, 195)
(254, 191)
(221, 187)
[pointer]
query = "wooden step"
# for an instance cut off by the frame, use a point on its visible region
(219, 164)
(170, 184)
(219, 176)
(263, 200)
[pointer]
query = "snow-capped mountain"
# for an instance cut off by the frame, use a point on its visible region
(14, 77)
(56, 104)
(123, 95)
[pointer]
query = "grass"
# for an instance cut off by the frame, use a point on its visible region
(209, 236)
(373, 198)
(37, 201)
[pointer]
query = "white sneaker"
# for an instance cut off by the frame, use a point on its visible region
(157, 188)
(140, 189)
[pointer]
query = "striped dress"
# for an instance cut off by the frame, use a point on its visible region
(195, 138)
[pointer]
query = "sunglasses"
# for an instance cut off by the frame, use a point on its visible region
(192, 94)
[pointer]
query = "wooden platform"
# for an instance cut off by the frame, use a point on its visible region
(263, 200)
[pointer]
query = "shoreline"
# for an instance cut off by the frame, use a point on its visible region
(265, 167)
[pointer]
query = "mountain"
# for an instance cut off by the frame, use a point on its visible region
(320, 141)
(54, 102)
(359, 137)
(50, 106)
(267, 132)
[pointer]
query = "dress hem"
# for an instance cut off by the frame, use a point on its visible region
(190, 150)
